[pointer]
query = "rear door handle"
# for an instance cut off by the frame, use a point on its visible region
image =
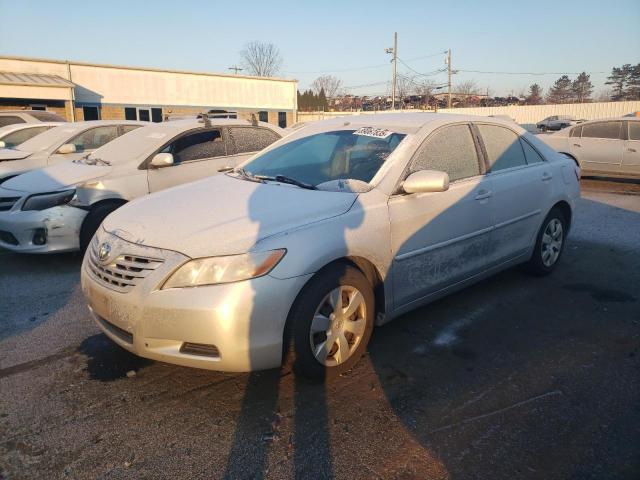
(577, 145)
(631, 150)
(546, 176)
(483, 194)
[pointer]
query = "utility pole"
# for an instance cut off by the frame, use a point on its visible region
(235, 69)
(394, 51)
(449, 73)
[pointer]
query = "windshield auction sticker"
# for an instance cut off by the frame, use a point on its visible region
(373, 132)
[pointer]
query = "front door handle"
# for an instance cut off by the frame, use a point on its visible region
(577, 145)
(483, 194)
(631, 150)
(546, 176)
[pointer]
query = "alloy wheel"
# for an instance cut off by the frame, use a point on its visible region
(552, 242)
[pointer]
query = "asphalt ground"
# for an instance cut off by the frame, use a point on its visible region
(515, 377)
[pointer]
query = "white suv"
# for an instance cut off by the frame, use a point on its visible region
(59, 208)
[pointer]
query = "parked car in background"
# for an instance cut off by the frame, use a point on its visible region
(59, 208)
(557, 122)
(69, 141)
(609, 147)
(11, 117)
(342, 223)
(13, 135)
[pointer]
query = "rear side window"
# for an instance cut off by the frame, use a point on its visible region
(16, 138)
(197, 146)
(602, 130)
(129, 128)
(530, 153)
(634, 130)
(449, 149)
(95, 138)
(503, 147)
(576, 131)
(251, 139)
(10, 120)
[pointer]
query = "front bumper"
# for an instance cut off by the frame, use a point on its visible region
(60, 224)
(244, 321)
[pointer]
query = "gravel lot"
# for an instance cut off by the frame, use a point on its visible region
(516, 377)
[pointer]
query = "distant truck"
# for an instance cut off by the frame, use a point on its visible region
(557, 122)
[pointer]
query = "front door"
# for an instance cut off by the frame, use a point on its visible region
(438, 239)
(196, 155)
(600, 147)
(631, 151)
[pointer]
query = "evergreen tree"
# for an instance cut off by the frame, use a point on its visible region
(618, 81)
(535, 95)
(582, 88)
(561, 91)
(632, 90)
(323, 104)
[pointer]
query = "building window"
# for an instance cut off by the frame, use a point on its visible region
(38, 106)
(144, 114)
(156, 115)
(90, 113)
(282, 119)
(263, 116)
(130, 113)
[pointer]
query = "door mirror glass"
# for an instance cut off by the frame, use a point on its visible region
(67, 148)
(162, 160)
(426, 181)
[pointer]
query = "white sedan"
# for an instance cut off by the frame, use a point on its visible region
(342, 224)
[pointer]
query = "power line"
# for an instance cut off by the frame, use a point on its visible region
(428, 74)
(524, 73)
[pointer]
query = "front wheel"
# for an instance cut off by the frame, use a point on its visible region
(330, 323)
(549, 244)
(93, 220)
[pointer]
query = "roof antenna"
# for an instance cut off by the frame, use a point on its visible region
(254, 120)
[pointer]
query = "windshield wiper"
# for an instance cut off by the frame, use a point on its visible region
(94, 161)
(289, 180)
(248, 176)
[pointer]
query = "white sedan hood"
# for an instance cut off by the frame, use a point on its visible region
(222, 215)
(11, 154)
(57, 177)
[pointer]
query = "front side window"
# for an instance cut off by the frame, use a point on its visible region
(251, 139)
(610, 130)
(503, 147)
(323, 157)
(94, 138)
(197, 146)
(451, 150)
(16, 138)
(634, 130)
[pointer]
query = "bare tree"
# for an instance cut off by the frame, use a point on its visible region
(330, 84)
(261, 59)
(426, 89)
(469, 87)
(404, 85)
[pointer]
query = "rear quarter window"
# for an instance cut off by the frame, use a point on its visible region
(251, 139)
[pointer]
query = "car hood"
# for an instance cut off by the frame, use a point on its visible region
(10, 154)
(222, 215)
(56, 177)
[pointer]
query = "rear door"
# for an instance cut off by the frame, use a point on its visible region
(599, 149)
(196, 154)
(521, 183)
(631, 152)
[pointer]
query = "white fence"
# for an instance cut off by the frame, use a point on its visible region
(526, 115)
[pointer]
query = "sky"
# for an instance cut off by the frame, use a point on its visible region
(338, 37)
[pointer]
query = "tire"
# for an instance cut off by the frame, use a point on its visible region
(93, 220)
(543, 128)
(341, 341)
(549, 244)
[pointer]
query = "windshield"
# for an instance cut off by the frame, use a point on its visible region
(53, 137)
(14, 139)
(328, 156)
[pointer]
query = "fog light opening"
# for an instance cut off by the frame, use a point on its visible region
(200, 349)
(39, 236)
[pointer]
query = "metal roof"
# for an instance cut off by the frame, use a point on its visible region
(34, 80)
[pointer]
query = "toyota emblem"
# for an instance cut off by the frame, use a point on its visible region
(104, 251)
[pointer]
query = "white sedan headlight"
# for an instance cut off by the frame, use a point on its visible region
(42, 201)
(215, 270)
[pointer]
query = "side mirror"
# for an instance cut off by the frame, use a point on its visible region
(67, 148)
(2, 144)
(426, 181)
(162, 160)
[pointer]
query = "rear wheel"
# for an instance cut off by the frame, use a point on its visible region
(549, 244)
(93, 220)
(331, 322)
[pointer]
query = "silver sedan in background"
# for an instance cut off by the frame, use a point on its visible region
(343, 224)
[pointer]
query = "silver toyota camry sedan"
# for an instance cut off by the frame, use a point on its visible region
(344, 224)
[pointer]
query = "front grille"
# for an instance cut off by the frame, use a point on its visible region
(6, 203)
(116, 331)
(200, 349)
(123, 272)
(7, 237)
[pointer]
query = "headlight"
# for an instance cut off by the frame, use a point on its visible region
(42, 201)
(215, 270)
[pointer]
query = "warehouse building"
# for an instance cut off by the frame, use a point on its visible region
(85, 91)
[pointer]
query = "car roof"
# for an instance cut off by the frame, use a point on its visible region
(21, 126)
(610, 119)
